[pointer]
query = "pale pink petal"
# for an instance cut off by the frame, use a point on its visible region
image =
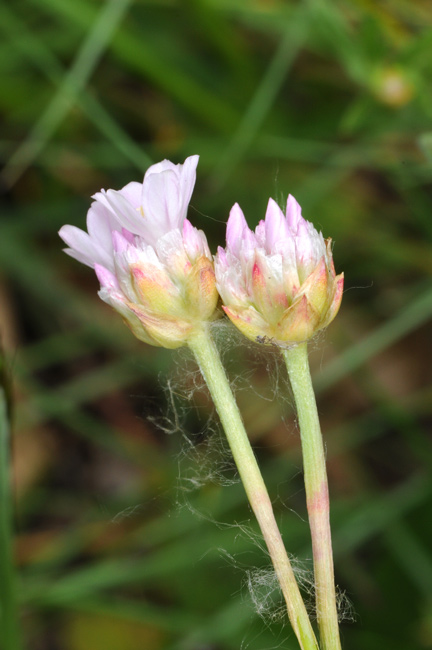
(236, 226)
(260, 234)
(126, 215)
(204, 244)
(81, 257)
(186, 173)
(248, 243)
(221, 265)
(146, 255)
(132, 192)
(78, 240)
(162, 166)
(271, 265)
(128, 236)
(107, 279)
(171, 252)
(100, 223)
(162, 204)
(287, 249)
(167, 190)
(275, 226)
(304, 243)
(293, 213)
(221, 255)
(187, 180)
(230, 285)
(101, 197)
(192, 241)
(119, 242)
(85, 249)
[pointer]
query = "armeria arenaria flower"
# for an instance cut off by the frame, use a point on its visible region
(154, 267)
(278, 284)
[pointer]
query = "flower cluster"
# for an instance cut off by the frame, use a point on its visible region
(154, 267)
(277, 284)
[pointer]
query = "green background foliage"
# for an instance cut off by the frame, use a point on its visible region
(129, 530)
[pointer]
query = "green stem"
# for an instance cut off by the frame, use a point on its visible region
(317, 494)
(8, 600)
(207, 356)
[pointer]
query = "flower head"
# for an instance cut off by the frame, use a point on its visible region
(154, 267)
(278, 284)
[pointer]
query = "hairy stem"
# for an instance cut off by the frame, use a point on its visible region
(8, 601)
(317, 494)
(207, 356)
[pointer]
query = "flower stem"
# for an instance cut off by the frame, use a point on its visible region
(317, 494)
(207, 356)
(8, 600)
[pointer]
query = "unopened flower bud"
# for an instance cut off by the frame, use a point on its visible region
(153, 266)
(278, 284)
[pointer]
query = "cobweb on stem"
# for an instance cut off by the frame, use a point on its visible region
(205, 458)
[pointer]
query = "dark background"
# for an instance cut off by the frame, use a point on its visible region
(132, 532)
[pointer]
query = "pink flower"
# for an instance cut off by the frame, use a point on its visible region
(278, 284)
(154, 267)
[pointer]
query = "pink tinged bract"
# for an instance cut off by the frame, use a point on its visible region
(278, 284)
(153, 266)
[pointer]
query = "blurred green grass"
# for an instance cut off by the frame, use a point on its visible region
(329, 101)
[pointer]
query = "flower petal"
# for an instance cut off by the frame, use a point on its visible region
(194, 242)
(100, 224)
(276, 231)
(236, 226)
(125, 214)
(167, 190)
(84, 248)
(293, 214)
(107, 279)
(132, 192)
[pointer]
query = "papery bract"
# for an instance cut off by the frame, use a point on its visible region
(154, 267)
(278, 284)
